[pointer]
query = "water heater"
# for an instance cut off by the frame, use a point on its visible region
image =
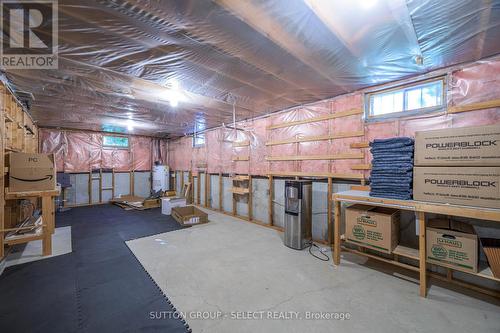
(160, 178)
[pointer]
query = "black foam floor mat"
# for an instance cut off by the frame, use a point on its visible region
(99, 287)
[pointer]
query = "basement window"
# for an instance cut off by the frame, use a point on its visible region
(407, 100)
(198, 139)
(111, 141)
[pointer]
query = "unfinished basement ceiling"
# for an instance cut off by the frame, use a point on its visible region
(117, 59)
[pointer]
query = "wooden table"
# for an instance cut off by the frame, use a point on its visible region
(48, 217)
(420, 208)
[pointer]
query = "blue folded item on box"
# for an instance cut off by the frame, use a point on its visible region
(400, 196)
(392, 142)
(390, 173)
(392, 166)
(400, 150)
(390, 188)
(392, 158)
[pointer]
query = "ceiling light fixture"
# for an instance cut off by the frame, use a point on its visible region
(367, 4)
(130, 125)
(174, 93)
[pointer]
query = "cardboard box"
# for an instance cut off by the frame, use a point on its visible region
(491, 247)
(470, 186)
(466, 146)
(168, 203)
(189, 215)
(31, 172)
(151, 203)
(452, 244)
(373, 227)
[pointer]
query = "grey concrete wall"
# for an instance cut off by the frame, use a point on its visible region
(242, 204)
(178, 181)
(260, 200)
(195, 190)
(122, 183)
(107, 181)
(95, 188)
(214, 192)
(202, 189)
(142, 184)
(279, 202)
(227, 195)
(81, 188)
(320, 210)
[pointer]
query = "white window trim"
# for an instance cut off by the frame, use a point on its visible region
(104, 146)
(410, 113)
(194, 140)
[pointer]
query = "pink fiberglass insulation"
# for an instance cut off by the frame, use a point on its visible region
(141, 148)
(84, 151)
(257, 137)
(78, 151)
(117, 159)
(212, 142)
(480, 118)
(54, 142)
(477, 83)
(474, 84)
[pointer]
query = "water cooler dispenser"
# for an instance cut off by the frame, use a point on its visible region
(298, 213)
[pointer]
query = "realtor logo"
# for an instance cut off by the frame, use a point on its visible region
(29, 34)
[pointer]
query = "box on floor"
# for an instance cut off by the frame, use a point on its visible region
(189, 215)
(168, 203)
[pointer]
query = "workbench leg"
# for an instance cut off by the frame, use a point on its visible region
(329, 212)
(48, 220)
(46, 243)
(421, 247)
(336, 234)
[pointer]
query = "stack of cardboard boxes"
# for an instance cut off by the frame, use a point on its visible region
(458, 166)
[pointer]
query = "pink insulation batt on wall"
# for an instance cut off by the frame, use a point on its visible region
(479, 82)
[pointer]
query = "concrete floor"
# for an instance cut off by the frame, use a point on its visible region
(243, 276)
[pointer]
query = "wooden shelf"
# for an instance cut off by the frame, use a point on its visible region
(421, 209)
(407, 252)
(317, 119)
(16, 150)
(495, 103)
(21, 135)
(30, 194)
(361, 167)
(240, 190)
(360, 145)
(344, 156)
(241, 178)
(317, 174)
(24, 238)
(316, 138)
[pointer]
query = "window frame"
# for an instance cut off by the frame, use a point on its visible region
(196, 135)
(369, 117)
(107, 146)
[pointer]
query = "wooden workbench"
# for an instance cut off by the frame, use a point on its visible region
(48, 217)
(420, 208)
